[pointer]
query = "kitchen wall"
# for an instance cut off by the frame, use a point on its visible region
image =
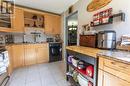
(30, 37)
(85, 17)
(27, 36)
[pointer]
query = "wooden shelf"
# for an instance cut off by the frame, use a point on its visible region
(41, 28)
(4, 21)
(33, 20)
(83, 73)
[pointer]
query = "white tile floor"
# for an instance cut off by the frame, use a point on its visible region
(49, 74)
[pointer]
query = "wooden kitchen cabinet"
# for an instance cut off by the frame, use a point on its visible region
(113, 73)
(111, 80)
(18, 56)
(52, 24)
(48, 24)
(56, 24)
(18, 20)
(10, 68)
(30, 54)
(42, 53)
(100, 77)
(25, 55)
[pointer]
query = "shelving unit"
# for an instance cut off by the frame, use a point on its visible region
(122, 15)
(33, 20)
(5, 21)
(87, 59)
(83, 73)
(102, 24)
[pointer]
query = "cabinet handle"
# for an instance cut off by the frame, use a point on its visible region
(113, 63)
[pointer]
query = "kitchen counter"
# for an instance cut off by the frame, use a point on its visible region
(85, 50)
(122, 56)
(21, 44)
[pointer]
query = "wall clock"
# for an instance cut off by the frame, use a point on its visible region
(97, 4)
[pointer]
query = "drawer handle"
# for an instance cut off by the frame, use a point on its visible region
(113, 63)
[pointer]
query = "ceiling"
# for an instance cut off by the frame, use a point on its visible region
(55, 6)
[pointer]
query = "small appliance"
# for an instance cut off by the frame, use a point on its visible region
(107, 39)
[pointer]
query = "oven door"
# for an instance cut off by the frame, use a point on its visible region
(55, 53)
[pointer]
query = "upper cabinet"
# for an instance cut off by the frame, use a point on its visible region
(33, 20)
(5, 23)
(52, 24)
(22, 19)
(18, 21)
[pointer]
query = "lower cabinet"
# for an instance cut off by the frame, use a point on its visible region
(42, 53)
(112, 77)
(100, 77)
(18, 56)
(10, 68)
(25, 55)
(111, 80)
(30, 54)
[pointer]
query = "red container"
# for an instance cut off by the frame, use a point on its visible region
(90, 71)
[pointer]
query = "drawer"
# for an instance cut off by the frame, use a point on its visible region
(122, 67)
(118, 74)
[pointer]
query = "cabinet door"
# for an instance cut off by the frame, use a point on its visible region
(18, 56)
(18, 20)
(100, 77)
(56, 24)
(111, 80)
(10, 68)
(52, 24)
(42, 53)
(48, 24)
(30, 55)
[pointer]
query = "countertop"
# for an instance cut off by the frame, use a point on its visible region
(122, 56)
(21, 44)
(85, 50)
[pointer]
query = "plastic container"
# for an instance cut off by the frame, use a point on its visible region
(75, 62)
(70, 59)
(82, 81)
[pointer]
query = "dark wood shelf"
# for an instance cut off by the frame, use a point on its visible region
(83, 73)
(102, 24)
(122, 15)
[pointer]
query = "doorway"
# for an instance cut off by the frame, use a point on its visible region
(71, 29)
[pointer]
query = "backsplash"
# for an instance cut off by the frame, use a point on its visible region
(27, 37)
